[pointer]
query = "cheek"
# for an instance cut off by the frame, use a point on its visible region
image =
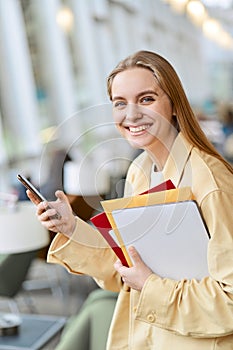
(120, 129)
(162, 117)
(167, 110)
(118, 117)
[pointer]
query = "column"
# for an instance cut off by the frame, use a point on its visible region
(88, 49)
(3, 156)
(122, 17)
(17, 87)
(103, 31)
(3, 161)
(56, 67)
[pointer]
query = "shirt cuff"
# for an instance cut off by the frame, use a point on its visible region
(153, 300)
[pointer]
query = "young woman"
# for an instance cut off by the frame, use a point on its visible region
(152, 112)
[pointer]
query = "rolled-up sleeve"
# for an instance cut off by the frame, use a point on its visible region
(86, 252)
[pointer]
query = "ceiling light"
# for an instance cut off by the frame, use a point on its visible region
(196, 11)
(211, 28)
(178, 5)
(224, 39)
(65, 19)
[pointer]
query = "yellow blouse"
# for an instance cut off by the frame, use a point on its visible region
(167, 314)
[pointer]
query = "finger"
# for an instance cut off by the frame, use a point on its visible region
(32, 197)
(50, 226)
(48, 214)
(118, 264)
(122, 270)
(61, 196)
(134, 255)
(42, 207)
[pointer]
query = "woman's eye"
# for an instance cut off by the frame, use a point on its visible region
(119, 104)
(147, 99)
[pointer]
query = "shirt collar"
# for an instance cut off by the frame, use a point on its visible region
(177, 159)
(172, 170)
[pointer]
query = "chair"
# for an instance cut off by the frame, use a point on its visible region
(89, 329)
(13, 271)
(21, 237)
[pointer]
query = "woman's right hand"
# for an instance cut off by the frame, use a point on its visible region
(47, 212)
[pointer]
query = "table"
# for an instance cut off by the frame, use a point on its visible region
(34, 332)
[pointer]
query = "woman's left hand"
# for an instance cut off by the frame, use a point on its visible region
(135, 276)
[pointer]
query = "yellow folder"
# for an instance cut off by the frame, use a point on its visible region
(168, 196)
(167, 221)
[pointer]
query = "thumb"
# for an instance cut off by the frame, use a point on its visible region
(135, 255)
(61, 196)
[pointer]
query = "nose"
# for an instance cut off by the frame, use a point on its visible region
(133, 112)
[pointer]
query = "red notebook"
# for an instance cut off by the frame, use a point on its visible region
(102, 223)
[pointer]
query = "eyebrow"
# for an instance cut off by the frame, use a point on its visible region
(142, 93)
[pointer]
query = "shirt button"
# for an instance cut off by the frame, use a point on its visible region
(151, 318)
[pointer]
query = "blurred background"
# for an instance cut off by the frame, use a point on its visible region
(56, 125)
(55, 56)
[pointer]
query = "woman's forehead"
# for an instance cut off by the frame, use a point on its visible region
(133, 80)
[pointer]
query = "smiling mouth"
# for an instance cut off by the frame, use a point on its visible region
(137, 129)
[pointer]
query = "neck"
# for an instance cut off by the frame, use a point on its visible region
(160, 151)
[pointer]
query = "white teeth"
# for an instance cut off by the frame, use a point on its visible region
(139, 128)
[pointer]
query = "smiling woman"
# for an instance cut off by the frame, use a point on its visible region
(143, 112)
(165, 79)
(152, 112)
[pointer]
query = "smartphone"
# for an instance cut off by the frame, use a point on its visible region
(35, 191)
(30, 187)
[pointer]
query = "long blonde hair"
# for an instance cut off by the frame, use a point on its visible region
(169, 81)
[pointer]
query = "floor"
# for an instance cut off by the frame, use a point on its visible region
(51, 290)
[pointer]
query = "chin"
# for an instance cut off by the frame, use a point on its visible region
(136, 145)
(138, 142)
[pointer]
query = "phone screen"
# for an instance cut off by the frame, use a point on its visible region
(30, 187)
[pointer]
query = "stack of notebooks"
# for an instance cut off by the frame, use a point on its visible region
(164, 225)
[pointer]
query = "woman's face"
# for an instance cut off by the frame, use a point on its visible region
(142, 111)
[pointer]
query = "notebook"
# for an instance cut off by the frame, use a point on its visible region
(170, 237)
(102, 223)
